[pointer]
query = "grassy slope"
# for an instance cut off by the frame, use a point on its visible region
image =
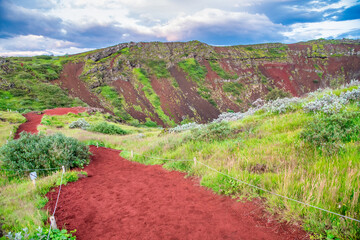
(9, 123)
(21, 203)
(267, 151)
(151, 95)
(25, 84)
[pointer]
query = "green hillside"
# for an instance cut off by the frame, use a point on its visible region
(169, 82)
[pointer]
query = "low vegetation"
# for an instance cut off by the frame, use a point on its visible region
(235, 88)
(212, 132)
(159, 69)
(277, 93)
(9, 123)
(41, 233)
(195, 71)
(107, 128)
(116, 101)
(215, 66)
(86, 121)
(150, 94)
(21, 205)
(38, 151)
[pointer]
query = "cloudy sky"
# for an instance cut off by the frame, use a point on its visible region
(33, 27)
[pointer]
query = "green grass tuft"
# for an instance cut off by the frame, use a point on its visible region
(150, 94)
(215, 66)
(192, 67)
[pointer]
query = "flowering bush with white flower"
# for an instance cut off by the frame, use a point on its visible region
(81, 123)
(331, 103)
(185, 127)
(282, 105)
(327, 104)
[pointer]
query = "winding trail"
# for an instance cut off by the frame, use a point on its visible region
(34, 118)
(121, 199)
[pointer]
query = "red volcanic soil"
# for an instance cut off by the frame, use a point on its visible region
(69, 79)
(126, 200)
(34, 119)
(63, 111)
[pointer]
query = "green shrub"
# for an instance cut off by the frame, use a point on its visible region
(150, 123)
(18, 92)
(186, 120)
(97, 143)
(12, 117)
(25, 75)
(213, 131)
(42, 152)
(45, 57)
(52, 121)
(70, 176)
(276, 94)
(107, 128)
(134, 122)
(212, 102)
(328, 132)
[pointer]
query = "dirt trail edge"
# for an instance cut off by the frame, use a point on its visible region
(34, 118)
(121, 199)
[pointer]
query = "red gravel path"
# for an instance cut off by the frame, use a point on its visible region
(127, 200)
(63, 111)
(34, 119)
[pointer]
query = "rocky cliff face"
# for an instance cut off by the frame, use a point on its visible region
(170, 82)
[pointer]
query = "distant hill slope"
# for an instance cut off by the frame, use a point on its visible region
(171, 82)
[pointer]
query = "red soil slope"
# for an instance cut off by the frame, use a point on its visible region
(126, 200)
(69, 79)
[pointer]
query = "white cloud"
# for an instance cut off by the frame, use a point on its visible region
(178, 25)
(322, 6)
(30, 45)
(326, 29)
(34, 42)
(209, 20)
(91, 16)
(131, 13)
(338, 5)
